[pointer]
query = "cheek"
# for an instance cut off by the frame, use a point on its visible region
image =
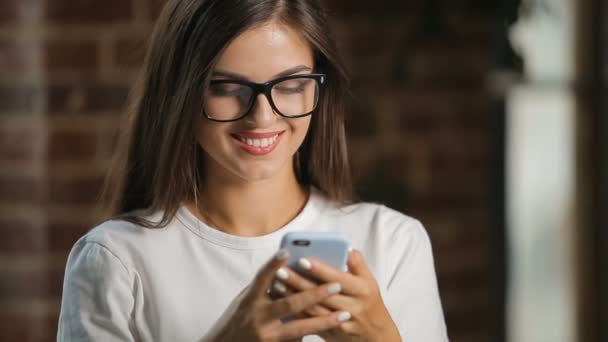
(301, 127)
(209, 138)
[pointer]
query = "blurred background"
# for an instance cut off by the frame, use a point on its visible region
(484, 119)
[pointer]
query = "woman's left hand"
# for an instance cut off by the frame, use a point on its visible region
(360, 296)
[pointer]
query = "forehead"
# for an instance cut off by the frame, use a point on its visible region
(264, 51)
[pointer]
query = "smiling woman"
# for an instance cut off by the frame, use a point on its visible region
(236, 137)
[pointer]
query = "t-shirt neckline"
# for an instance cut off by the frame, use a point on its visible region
(216, 236)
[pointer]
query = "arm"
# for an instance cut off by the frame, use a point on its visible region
(97, 299)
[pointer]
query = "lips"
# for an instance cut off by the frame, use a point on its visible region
(258, 143)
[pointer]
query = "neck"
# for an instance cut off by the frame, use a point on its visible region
(246, 208)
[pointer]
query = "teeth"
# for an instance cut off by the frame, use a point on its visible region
(265, 142)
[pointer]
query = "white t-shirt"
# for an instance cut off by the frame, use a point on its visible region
(128, 283)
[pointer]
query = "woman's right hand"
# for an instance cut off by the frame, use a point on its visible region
(258, 318)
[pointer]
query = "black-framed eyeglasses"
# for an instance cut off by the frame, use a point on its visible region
(291, 96)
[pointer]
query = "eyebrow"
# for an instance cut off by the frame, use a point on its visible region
(234, 75)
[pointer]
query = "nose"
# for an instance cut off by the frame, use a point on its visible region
(262, 113)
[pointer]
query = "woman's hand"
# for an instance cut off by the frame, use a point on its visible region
(360, 296)
(258, 318)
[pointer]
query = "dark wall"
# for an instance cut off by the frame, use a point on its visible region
(426, 134)
(601, 167)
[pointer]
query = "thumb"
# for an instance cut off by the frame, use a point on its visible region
(356, 264)
(264, 277)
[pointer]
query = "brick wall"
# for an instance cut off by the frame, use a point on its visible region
(425, 138)
(422, 132)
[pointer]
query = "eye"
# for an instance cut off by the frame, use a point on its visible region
(294, 86)
(228, 89)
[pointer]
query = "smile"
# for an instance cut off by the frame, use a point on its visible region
(265, 142)
(258, 143)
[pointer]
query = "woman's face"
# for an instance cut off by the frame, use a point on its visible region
(262, 144)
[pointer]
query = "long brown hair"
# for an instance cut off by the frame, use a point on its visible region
(158, 163)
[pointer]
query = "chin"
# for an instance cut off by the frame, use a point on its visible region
(258, 172)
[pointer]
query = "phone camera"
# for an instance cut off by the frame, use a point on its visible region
(301, 242)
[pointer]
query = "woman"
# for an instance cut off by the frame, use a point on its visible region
(236, 136)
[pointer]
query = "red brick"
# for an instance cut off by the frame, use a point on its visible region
(360, 66)
(75, 191)
(20, 237)
(462, 160)
(72, 145)
(443, 104)
(156, 7)
(86, 97)
(453, 191)
(463, 327)
(452, 60)
(360, 123)
(59, 55)
(469, 290)
(467, 258)
(62, 236)
(470, 303)
(19, 11)
(7, 11)
(448, 237)
(23, 285)
(471, 117)
(129, 52)
(78, 55)
(55, 277)
(18, 143)
(16, 326)
(13, 56)
(19, 189)
(51, 321)
(89, 12)
(386, 182)
(24, 326)
(370, 35)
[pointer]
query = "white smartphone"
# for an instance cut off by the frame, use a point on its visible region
(331, 248)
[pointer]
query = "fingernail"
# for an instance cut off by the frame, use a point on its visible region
(350, 249)
(344, 316)
(281, 254)
(280, 287)
(334, 288)
(282, 273)
(304, 263)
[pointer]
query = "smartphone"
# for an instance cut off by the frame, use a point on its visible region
(328, 247)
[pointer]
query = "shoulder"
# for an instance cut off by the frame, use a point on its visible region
(110, 232)
(377, 222)
(375, 214)
(396, 227)
(121, 239)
